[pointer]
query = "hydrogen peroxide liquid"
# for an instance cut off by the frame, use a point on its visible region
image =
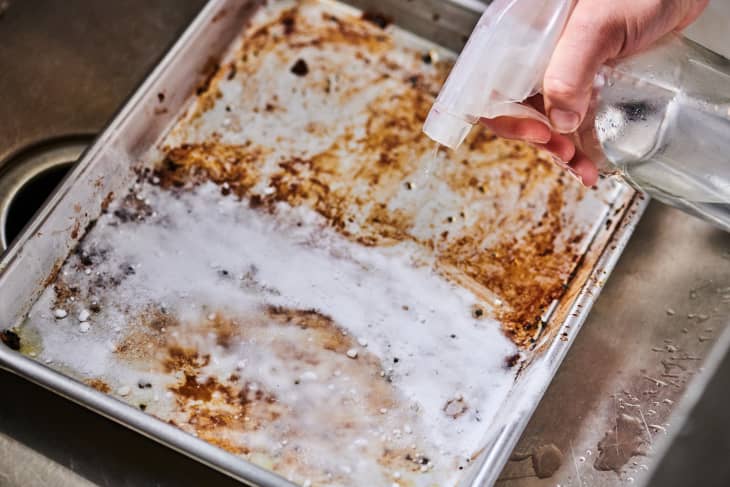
(670, 141)
(421, 182)
(430, 163)
(423, 186)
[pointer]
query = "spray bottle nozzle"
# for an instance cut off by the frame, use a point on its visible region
(446, 128)
(502, 65)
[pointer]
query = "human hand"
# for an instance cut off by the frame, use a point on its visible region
(597, 31)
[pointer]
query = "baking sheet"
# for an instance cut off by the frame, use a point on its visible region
(299, 204)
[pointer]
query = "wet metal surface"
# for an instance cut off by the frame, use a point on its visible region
(68, 66)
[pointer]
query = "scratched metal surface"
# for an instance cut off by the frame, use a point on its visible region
(298, 276)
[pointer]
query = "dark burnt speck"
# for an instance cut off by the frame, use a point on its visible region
(376, 18)
(10, 339)
(300, 68)
(289, 23)
(512, 360)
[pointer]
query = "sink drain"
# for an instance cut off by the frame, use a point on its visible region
(27, 180)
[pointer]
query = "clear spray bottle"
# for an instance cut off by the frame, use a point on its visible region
(659, 119)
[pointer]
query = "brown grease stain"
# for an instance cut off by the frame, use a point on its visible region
(526, 273)
(218, 409)
(148, 335)
(99, 385)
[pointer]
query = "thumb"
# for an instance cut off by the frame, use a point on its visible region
(595, 33)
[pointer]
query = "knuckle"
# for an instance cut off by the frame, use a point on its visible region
(602, 25)
(560, 88)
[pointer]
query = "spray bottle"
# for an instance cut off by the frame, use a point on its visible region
(659, 119)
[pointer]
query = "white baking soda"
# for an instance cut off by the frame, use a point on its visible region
(191, 257)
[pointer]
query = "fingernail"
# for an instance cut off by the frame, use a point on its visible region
(537, 140)
(564, 121)
(575, 175)
(561, 163)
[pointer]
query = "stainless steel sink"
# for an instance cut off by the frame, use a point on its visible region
(65, 67)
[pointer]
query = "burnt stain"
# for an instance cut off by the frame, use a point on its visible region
(210, 69)
(232, 70)
(417, 459)
(217, 408)
(99, 385)
(330, 335)
(179, 358)
(10, 339)
(377, 18)
(107, 201)
(90, 255)
(132, 209)
(512, 360)
(526, 274)
(146, 337)
(300, 68)
(75, 230)
(289, 21)
(64, 292)
(454, 408)
(191, 388)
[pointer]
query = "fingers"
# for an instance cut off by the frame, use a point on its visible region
(559, 145)
(519, 129)
(594, 34)
(584, 168)
(579, 164)
(597, 32)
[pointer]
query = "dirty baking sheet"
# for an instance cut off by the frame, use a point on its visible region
(299, 277)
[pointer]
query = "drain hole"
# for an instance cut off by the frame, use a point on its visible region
(31, 197)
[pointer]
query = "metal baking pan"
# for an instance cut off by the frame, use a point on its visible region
(431, 295)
